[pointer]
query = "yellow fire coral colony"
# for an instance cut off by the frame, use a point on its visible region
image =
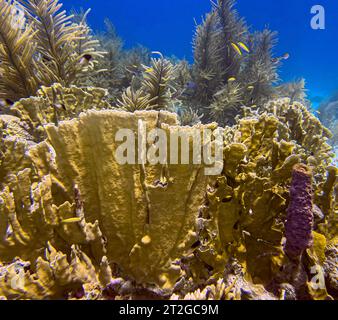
(75, 224)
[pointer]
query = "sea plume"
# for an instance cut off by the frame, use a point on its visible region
(42, 47)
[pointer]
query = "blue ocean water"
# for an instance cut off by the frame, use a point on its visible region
(168, 26)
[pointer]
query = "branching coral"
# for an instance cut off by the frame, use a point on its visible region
(118, 68)
(206, 56)
(215, 59)
(110, 64)
(156, 83)
(78, 222)
(188, 117)
(231, 30)
(259, 73)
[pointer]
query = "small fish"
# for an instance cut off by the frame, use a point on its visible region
(191, 85)
(86, 59)
(232, 79)
(71, 220)
(6, 102)
(316, 111)
(285, 56)
(250, 87)
(236, 48)
(149, 70)
(187, 91)
(244, 47)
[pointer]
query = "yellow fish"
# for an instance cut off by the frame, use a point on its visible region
(250, 87)
(244, 47)
(149, 70)
(236, 48)
(71, 220)
(232, 79)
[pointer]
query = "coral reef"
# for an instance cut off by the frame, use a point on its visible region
(78, 222)
(68, 196)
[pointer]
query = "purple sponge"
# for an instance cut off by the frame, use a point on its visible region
(299, 224)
